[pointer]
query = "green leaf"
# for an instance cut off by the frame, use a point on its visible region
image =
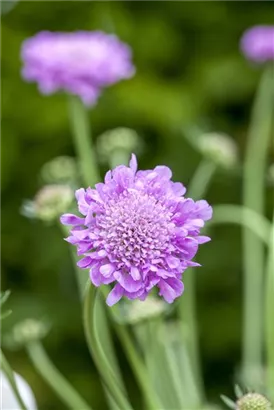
(238, 391)
(228, 402)
(4, 296)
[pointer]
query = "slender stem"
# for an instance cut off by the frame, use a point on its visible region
(96, 351)
(187, 304)
(138, 367)
(253, 252)
(54, 378)
(201, 179)
(269, 324)
(237, 214)
(101, 319)
(10, 376)
(82, 140)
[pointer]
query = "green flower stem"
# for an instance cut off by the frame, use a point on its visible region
(54, 378)
(100, 319)
(239, 215)
(253, 252)
(187, 304)
(82, 140)
(97, 353)
(269, 325)
(10, 376)
(201, 179)
(138, 368)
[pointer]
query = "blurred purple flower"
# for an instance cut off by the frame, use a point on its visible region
(257, 44)
(138, 231)
(81, 63)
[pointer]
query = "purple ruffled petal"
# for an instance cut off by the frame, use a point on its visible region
(115, 295)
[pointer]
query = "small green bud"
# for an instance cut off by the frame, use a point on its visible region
(220, 148)
(49, 203)
(28, 330)
(61, 169)
(119, 143)
(137, 311)
(253, 401)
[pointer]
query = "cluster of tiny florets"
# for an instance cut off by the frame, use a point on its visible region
(81, 63)
(138, 231)
(253, 401)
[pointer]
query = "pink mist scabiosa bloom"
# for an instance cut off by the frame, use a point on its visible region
(80, 63)
(137, 231)
(257, 44)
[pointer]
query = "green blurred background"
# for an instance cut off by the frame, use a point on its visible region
(189, 71)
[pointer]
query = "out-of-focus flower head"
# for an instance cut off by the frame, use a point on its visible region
(247, 401)
(254, 401)
(257, 44)
(25, 332)
(118, 142)
(137, 231)
(8, 398)
(220, 148)
(80, 63)
(138, 311)
(60, 170)
(49, 203)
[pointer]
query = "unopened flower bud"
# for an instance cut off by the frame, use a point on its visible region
(49, 202)
(27, 331)
(253, 401)
(220, 148)
(59, 170)
(117, 144)
(137, 311)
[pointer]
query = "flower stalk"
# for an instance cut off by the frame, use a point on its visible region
(138, 367)
(82, 140)
(103, 366)
(269, 326)
(54, 378)
(253, 248)
(187, 305)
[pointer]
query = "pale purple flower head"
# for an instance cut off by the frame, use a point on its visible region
(137, 231)
(257, 44)
(80, 63)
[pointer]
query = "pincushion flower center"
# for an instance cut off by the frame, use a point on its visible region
(135, 229)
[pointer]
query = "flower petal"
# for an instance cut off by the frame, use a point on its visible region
(115, 295)
(135, 273)
(127, 282)
(133, 163)
(171, 289)
(70, 219)
(107, 270)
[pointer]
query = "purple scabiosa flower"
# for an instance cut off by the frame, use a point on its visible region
(80, 63)
(138, 231)
(257, 44)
